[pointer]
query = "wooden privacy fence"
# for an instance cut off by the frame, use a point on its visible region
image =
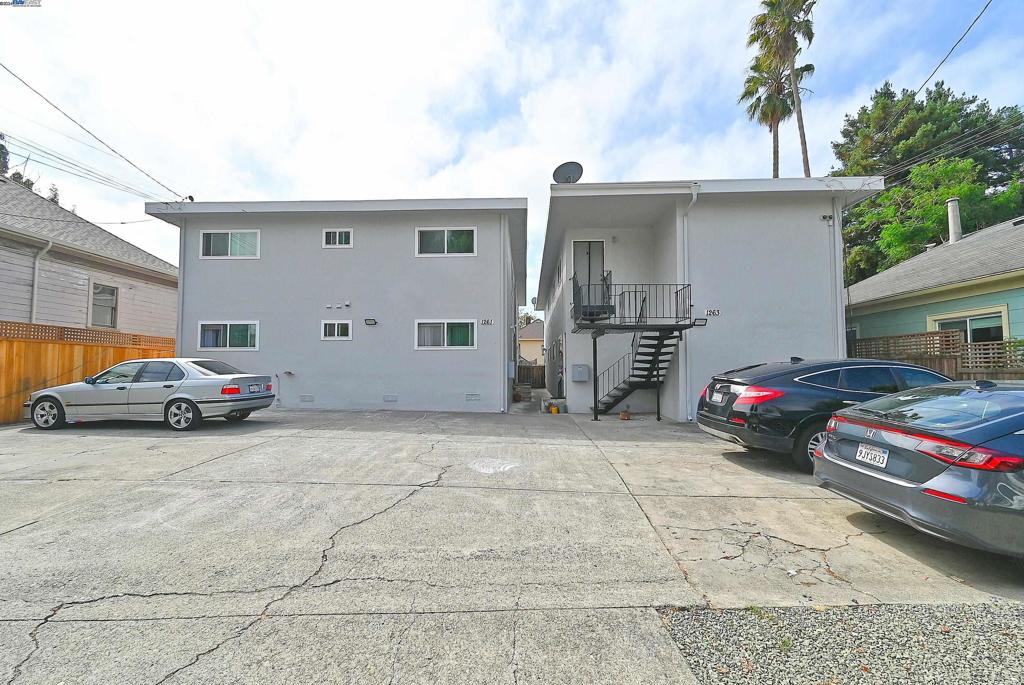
(947, 353)
(532, 375)
(34, 356)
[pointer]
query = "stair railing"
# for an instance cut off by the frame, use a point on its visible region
(622, 368)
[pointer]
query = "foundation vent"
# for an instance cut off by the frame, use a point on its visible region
(305, 398)
(472, 397)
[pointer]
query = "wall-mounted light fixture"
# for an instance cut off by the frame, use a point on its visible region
(370, 322)
(700, 322)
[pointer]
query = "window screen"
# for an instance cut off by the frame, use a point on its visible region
(430, 335)
(231, 244)
(431, 242)
(339, 330)
(460, 241)
(236, 335)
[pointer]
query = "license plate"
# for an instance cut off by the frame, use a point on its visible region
(869, 454)
(256, 387)
(716, 397)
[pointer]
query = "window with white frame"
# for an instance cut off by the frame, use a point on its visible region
(335, 330)
(443, 242)
(229, 335)
(446, 334)
(230, 244)
(104, 306)
(337, 237)
(984, 328)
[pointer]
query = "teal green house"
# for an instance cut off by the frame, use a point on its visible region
(974, 284)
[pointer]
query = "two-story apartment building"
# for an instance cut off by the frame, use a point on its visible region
(649, 289)
(393, 304)
(56, 268)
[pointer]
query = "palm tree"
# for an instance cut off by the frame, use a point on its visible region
(769, 98)
(777, 32)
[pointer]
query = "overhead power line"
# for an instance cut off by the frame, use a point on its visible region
(76, 221)
(934, 71)
(97, 138)
(976, 142)
(84, 176)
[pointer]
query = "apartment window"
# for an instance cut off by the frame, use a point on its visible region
(229, 335)
(441, 242)
(337, 237)
(335, 330)
(230, 244)
(104, 305)
(444, 335)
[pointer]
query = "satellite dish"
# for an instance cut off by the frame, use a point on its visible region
(568, 172)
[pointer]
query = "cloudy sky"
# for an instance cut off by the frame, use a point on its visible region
(234, 100)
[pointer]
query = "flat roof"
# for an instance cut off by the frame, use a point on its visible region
(641, 203)
(176, 213)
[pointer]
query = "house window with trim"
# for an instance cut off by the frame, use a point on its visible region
(986, 328)
(441, 242)
(337, 237)
(230, 244)
(445, 335)
(104, 305)
(229, 335)
(335, 330)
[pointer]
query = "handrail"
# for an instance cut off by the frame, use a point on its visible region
(630, 304)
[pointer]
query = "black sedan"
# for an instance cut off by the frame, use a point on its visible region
(785, 406)
(947, 460)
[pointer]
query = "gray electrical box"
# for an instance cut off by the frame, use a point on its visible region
(581, 372)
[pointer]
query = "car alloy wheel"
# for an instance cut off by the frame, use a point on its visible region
(45, 414)
(816, 441)
(180, 415)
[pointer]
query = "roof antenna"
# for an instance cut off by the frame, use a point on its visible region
(568, 172)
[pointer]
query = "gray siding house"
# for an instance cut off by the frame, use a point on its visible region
(57, 268)
(391, 304)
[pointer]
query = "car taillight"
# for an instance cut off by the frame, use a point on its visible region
(989, 460)
(230, 390)
(704, 394)
(755, 394)
(833, 425)
(270, 386)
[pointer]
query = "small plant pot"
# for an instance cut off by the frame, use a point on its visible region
(625, 415)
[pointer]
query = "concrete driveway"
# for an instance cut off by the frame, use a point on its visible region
(404, 547)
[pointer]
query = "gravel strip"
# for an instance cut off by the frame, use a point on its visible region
(864, 644)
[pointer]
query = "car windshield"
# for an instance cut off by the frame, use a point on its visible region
(212, 367)
(943, 407)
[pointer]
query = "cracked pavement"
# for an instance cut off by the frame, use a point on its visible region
(394, 547)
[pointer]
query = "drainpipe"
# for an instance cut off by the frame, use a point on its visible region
(35, 280)
(953, 212)
(683, 245)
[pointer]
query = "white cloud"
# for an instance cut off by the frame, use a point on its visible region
(242, 100)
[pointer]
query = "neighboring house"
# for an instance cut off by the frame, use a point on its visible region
(628, 268)
(57, 268)
(531, 343)
(974, 284)
(393, 304)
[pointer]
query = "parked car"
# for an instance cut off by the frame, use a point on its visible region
(947, 460)
(180, 392)
(784, 406)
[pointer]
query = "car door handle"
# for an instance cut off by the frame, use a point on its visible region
(169, 385)
(122, 387)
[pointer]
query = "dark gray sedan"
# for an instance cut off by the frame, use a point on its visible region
(946, 459)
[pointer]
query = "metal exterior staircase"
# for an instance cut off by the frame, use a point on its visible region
(642, 367)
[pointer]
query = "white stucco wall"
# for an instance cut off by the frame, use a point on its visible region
(767, 261)
(288, 290)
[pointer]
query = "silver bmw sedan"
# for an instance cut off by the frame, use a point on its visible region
(180, 392)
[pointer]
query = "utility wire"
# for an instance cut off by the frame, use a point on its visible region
(955, 141)
(974, 143)
(88, 178)
(97, 138)
(54, 156)
(936, 69)
(75, 221)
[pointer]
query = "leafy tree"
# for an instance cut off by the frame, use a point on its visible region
(526, 318)
(777, 33)
(905, 219)
(18, 177)
(943, 123)
(54, 194)
(4, 161)
(769, 99)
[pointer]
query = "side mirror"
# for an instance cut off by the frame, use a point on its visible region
(89, 380)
